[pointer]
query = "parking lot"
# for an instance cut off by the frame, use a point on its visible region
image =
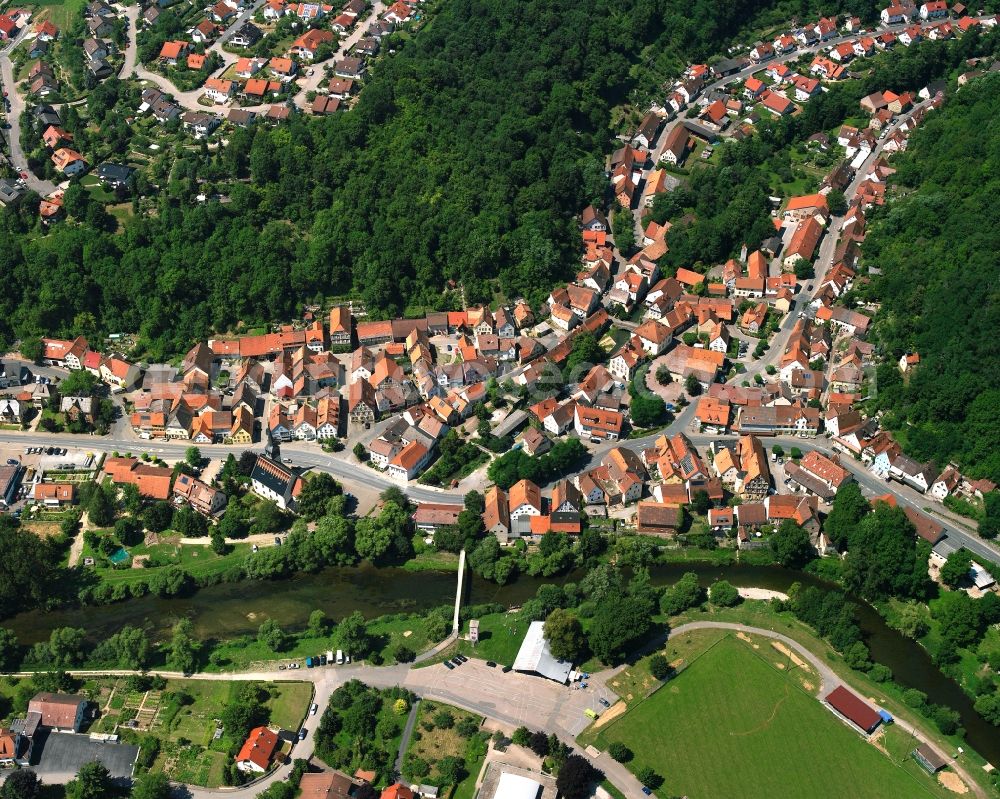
(57, 757)
(512, 697)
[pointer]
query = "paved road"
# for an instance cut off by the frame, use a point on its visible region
(512, 699)
(404, 741)
(346, 469)
(823, 264)
(17, 107)
(238, 23)
(131, 47)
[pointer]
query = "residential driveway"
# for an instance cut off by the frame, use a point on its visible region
(58, 756)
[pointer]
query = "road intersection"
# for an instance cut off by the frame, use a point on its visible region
(512, 699)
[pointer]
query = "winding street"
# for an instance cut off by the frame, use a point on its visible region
(42, 187)
(512, 699)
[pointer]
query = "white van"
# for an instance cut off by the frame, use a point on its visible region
(340, 657)
(329, 656)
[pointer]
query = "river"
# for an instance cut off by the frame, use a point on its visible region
(231, 609)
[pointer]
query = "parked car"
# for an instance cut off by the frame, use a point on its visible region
(313, 709)
(456, 662)
(491, 664)
(448, 665)
(302, 734)
(604, 702)
(505, 669)
(462, 658)
(646, 791)
(12, 461)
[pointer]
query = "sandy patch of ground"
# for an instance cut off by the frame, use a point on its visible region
(407, 633)
(743, 637)
(788, 653)
(952, 782)
(610, 714)
(760, 593)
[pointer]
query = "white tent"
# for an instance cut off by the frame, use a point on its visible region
(534, 656)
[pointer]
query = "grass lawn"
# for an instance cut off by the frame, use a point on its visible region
(732, 707)
(388, 632)
(500, 636)
(432, 560)
(60, 12)
(198, 561)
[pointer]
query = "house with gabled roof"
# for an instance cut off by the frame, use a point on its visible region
(172, 52)
(69, 162)
(258, 751)
(308, 44)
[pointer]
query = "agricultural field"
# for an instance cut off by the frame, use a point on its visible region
(732, 706)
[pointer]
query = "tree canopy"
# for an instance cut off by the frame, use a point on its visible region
(883, 557)
(935, 250)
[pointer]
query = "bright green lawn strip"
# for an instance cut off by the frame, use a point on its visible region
(198, 561)
(730, 707)
(500, 637)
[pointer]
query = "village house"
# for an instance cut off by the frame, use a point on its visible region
(69, 162)
(53, 495)
(599, 424)
(818, 474)
(803, 244)
(57, 712)
(409, 461)
(658, 519)
(258, 751)
(496, 515)
(675, 147)
(792, 420)
(524, 501)
(200, 496)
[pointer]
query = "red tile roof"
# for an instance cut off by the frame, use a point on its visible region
(259, 748)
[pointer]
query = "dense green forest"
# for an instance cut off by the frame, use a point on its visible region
(936, 250)
(467, 157)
